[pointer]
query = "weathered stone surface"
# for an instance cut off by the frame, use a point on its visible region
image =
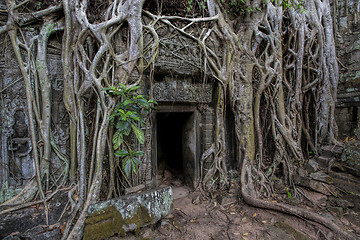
(127, 213)
(340, 202)
(312, 166)
(351, 157)
(282, 230)
(182, 91)
(321, 176)
(41, 233)
(337, 211)
(29, 222)
(317, 186)
(315, 197)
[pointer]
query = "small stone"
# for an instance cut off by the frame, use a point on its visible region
(196, 200)
(226, 199)
(301, 172)
(312, 166)
(338, 211)
(279, 186)
(315, 197)
(166, 224)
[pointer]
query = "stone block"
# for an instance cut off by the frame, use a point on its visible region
(351, 157)
(312, 166)
(314, 185)
(321, 176)
(127, 213)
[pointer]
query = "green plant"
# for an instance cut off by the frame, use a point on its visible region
(286, 4)
(189, 6)
(288, 193)
(129, 116)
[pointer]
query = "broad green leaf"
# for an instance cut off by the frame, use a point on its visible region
(136, 160)
(152, 101)
(139, 133)
(143, 102)
(122, 114)
(127, 166)
(126, 131)
(122, 86)
(127, 102)
(135, 116)
(134, 166)
(117, 139)
(133, 88)
(122, 153)
(122, 125)
(138, 153)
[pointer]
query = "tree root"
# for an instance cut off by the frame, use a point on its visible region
(25, 205)
(292, 210)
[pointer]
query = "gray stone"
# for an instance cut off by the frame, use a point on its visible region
(316, 197)
(301, 172)
(340, 202)
(353, 217)
(325, 162)
(321, 176)
(196, 200)
(317, 186)
(183, 91)
(127, 213)
(10, 237)
(312, 166)
(338, 211)
(226, 200)
(351, 157)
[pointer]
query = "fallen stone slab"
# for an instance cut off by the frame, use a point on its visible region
(322, 177)
(127, 213)
(317, 186)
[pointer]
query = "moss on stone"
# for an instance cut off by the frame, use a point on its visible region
(109, 221)
(100, 225)
(119, 216)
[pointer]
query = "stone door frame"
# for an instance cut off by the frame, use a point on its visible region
(183, 108)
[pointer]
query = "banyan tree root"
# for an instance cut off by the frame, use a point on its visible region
(249, 197)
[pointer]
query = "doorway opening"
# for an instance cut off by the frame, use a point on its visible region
(176, 146)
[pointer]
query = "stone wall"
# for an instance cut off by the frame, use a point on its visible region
(346, 15)
(16, 161)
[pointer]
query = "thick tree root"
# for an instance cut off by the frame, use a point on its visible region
(292, 210)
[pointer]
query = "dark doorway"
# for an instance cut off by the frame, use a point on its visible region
(176, 145)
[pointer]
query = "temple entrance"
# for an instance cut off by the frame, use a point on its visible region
(176, 145)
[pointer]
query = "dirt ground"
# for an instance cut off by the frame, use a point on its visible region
(194, 217)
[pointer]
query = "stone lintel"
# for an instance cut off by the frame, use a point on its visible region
(182, 91)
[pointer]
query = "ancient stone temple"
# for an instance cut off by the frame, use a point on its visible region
(183, 126)
(179, 131)
(347, 32)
